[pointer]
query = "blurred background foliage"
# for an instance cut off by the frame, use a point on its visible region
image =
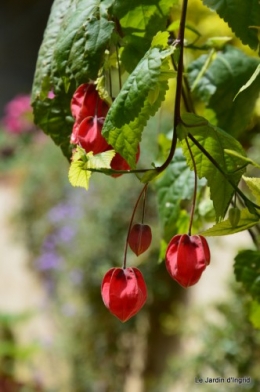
(73, 237)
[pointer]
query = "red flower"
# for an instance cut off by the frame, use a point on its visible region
(140, 238)
(89, 135)
(89, 111)
(86, 102)
(186, 258)
(124, 292)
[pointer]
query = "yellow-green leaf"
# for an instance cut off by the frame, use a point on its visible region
(254, 186)
(82, 166)
(78, 176)
(246, 221)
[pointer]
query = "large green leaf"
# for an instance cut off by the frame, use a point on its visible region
(241, 15)
(246, 221)
(42, 83)
(72, 51)
(247, 271)
(136, 102)
(139, 22)
(82, 39)
(214, 141)
(219, 85)
(53, 117)
(175, 187)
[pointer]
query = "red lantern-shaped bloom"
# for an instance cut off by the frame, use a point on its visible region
(90, 137)
(86, 102)
(186, 258)
(140, 238)
(124, 292)
(89, 111)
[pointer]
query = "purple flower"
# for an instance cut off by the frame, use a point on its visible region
(60, 212)
(66, 233)
(48, 261)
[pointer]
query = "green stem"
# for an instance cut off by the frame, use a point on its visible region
(143, 191)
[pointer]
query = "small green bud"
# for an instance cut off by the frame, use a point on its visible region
(234, 216)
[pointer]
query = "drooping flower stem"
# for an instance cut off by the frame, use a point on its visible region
(144, 202)
(195, 187)
(143, 192)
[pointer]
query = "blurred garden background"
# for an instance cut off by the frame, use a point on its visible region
(57, 242)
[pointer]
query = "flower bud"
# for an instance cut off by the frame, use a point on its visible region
(186, 258)
(124, 292)
(234, 216)
(140, 238)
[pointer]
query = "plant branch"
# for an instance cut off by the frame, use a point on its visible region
(178, 93)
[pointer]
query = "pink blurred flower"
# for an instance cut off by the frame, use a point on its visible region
(18, 117)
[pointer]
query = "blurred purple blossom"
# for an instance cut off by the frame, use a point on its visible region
(18, 117)
(66, 233)
(48, 261)
(62, 211)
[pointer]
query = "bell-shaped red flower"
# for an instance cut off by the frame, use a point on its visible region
(89, 111)
(124, 292)
(186, 258)
(86, 102)
(89, 135)
(140, 238)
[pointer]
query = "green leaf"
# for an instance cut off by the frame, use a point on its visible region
(247, 271)
(54, 118)
(42, 83)
(80, 168)
(242, 17)
(254, 314)
(214, 141)
(246, 221)
(82, 40)
(71, 52)
(250, 81)
(174, 186)
(254, 185)
(133, 106)
(220, 83)
(245, 159)
(139, 22)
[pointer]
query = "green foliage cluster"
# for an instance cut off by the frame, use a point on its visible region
(138, 41)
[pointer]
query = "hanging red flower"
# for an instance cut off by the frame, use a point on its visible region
(140, 238)
(89, 111)
(124, 292)
(186, 258)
